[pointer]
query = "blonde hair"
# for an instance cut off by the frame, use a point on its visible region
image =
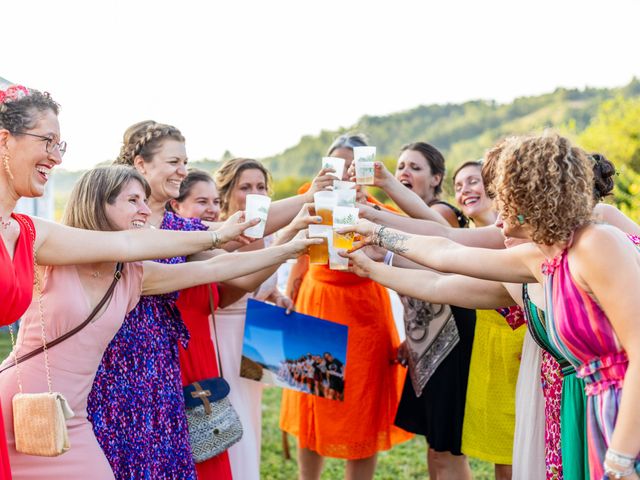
(227, 177)
(545, 182)
(145, 139)
(95, 189)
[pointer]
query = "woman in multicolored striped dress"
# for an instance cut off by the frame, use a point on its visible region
(544, 189)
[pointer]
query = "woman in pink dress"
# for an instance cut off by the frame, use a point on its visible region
(544, 192)
(110, 198)
(30, 147)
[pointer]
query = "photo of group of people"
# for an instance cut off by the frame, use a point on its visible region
(321, 375)
(277, 350)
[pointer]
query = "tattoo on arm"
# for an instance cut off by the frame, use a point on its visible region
(392, 241)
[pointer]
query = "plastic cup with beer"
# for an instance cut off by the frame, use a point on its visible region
(343, 217)
(336, 262)
(319, 254)
(336, 163)
(324, 203)
(257, 206)
(365, 162)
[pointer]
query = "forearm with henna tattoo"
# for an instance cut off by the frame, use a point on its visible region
(393, 241)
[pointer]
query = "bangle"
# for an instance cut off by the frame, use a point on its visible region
(617, 474)
(388, 258)
(215, 240)
(620, 459)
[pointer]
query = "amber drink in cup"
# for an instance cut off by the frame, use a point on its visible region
(319, 254)
(324, 203)
(343, 217)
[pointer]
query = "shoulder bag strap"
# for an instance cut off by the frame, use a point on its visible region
(116, 276)
(212, 307)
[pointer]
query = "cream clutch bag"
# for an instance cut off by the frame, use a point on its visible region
(39, 423)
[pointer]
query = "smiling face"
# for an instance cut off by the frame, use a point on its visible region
(129, 210)
(165, 171)
(203, 202)
(28, 161)
(249, 181)
(470, 193)
(347, 154)
(414, 172)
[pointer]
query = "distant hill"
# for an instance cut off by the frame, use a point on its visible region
(461, 131)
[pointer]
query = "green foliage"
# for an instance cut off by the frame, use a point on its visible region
(462, 132)
(615, 132)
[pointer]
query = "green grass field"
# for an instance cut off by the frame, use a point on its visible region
(404, 462)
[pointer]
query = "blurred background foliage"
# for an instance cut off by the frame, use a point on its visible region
(604, 120)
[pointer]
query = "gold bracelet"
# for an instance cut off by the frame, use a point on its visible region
(215, 240)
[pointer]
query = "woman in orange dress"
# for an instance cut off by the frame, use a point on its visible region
(361, 425)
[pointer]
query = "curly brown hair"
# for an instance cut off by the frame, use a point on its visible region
(19, 115)
(548, 183)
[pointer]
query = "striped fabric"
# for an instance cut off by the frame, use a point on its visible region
(582, 333)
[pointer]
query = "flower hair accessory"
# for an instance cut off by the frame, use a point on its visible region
(13, 93)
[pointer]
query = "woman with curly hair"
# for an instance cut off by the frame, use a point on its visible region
(544, 191)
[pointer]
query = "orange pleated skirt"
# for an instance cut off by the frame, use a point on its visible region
(362, 424)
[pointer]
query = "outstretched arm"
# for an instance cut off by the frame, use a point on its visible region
(611, 215)
(514, 265)
(432, 286)
(160, 278)
(485, 237)
(61, 245)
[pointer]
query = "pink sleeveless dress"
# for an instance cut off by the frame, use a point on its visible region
(73, 365)
(582, 333)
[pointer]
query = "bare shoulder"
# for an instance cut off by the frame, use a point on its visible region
(599, 237)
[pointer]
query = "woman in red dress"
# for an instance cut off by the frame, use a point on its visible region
(30, 147)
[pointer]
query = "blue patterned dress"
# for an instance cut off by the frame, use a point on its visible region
(136, 404)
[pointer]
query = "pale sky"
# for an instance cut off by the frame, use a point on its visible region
(254, 76)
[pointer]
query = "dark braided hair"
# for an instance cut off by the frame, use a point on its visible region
(19, 115)
(603, 172)
(144, 139)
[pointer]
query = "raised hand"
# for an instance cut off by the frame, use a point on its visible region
(301, 221)
(365, 229)
(321, 182)
(359, 263)
(232, 229)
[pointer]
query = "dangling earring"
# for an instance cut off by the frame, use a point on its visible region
(5, 164)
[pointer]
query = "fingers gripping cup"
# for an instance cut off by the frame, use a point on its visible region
(319, 254)
(336, 163)
(257, 206)
(364, 157)
(324, 203)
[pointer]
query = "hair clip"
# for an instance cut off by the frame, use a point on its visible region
(13, 93)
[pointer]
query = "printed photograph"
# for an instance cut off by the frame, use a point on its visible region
(295, 351)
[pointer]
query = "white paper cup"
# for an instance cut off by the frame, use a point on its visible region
(364, 158)
(345, 216)
(257, 206)
(336, 163)
(346, 198)
(342, 185)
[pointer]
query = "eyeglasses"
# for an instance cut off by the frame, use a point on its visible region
(51, 144)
